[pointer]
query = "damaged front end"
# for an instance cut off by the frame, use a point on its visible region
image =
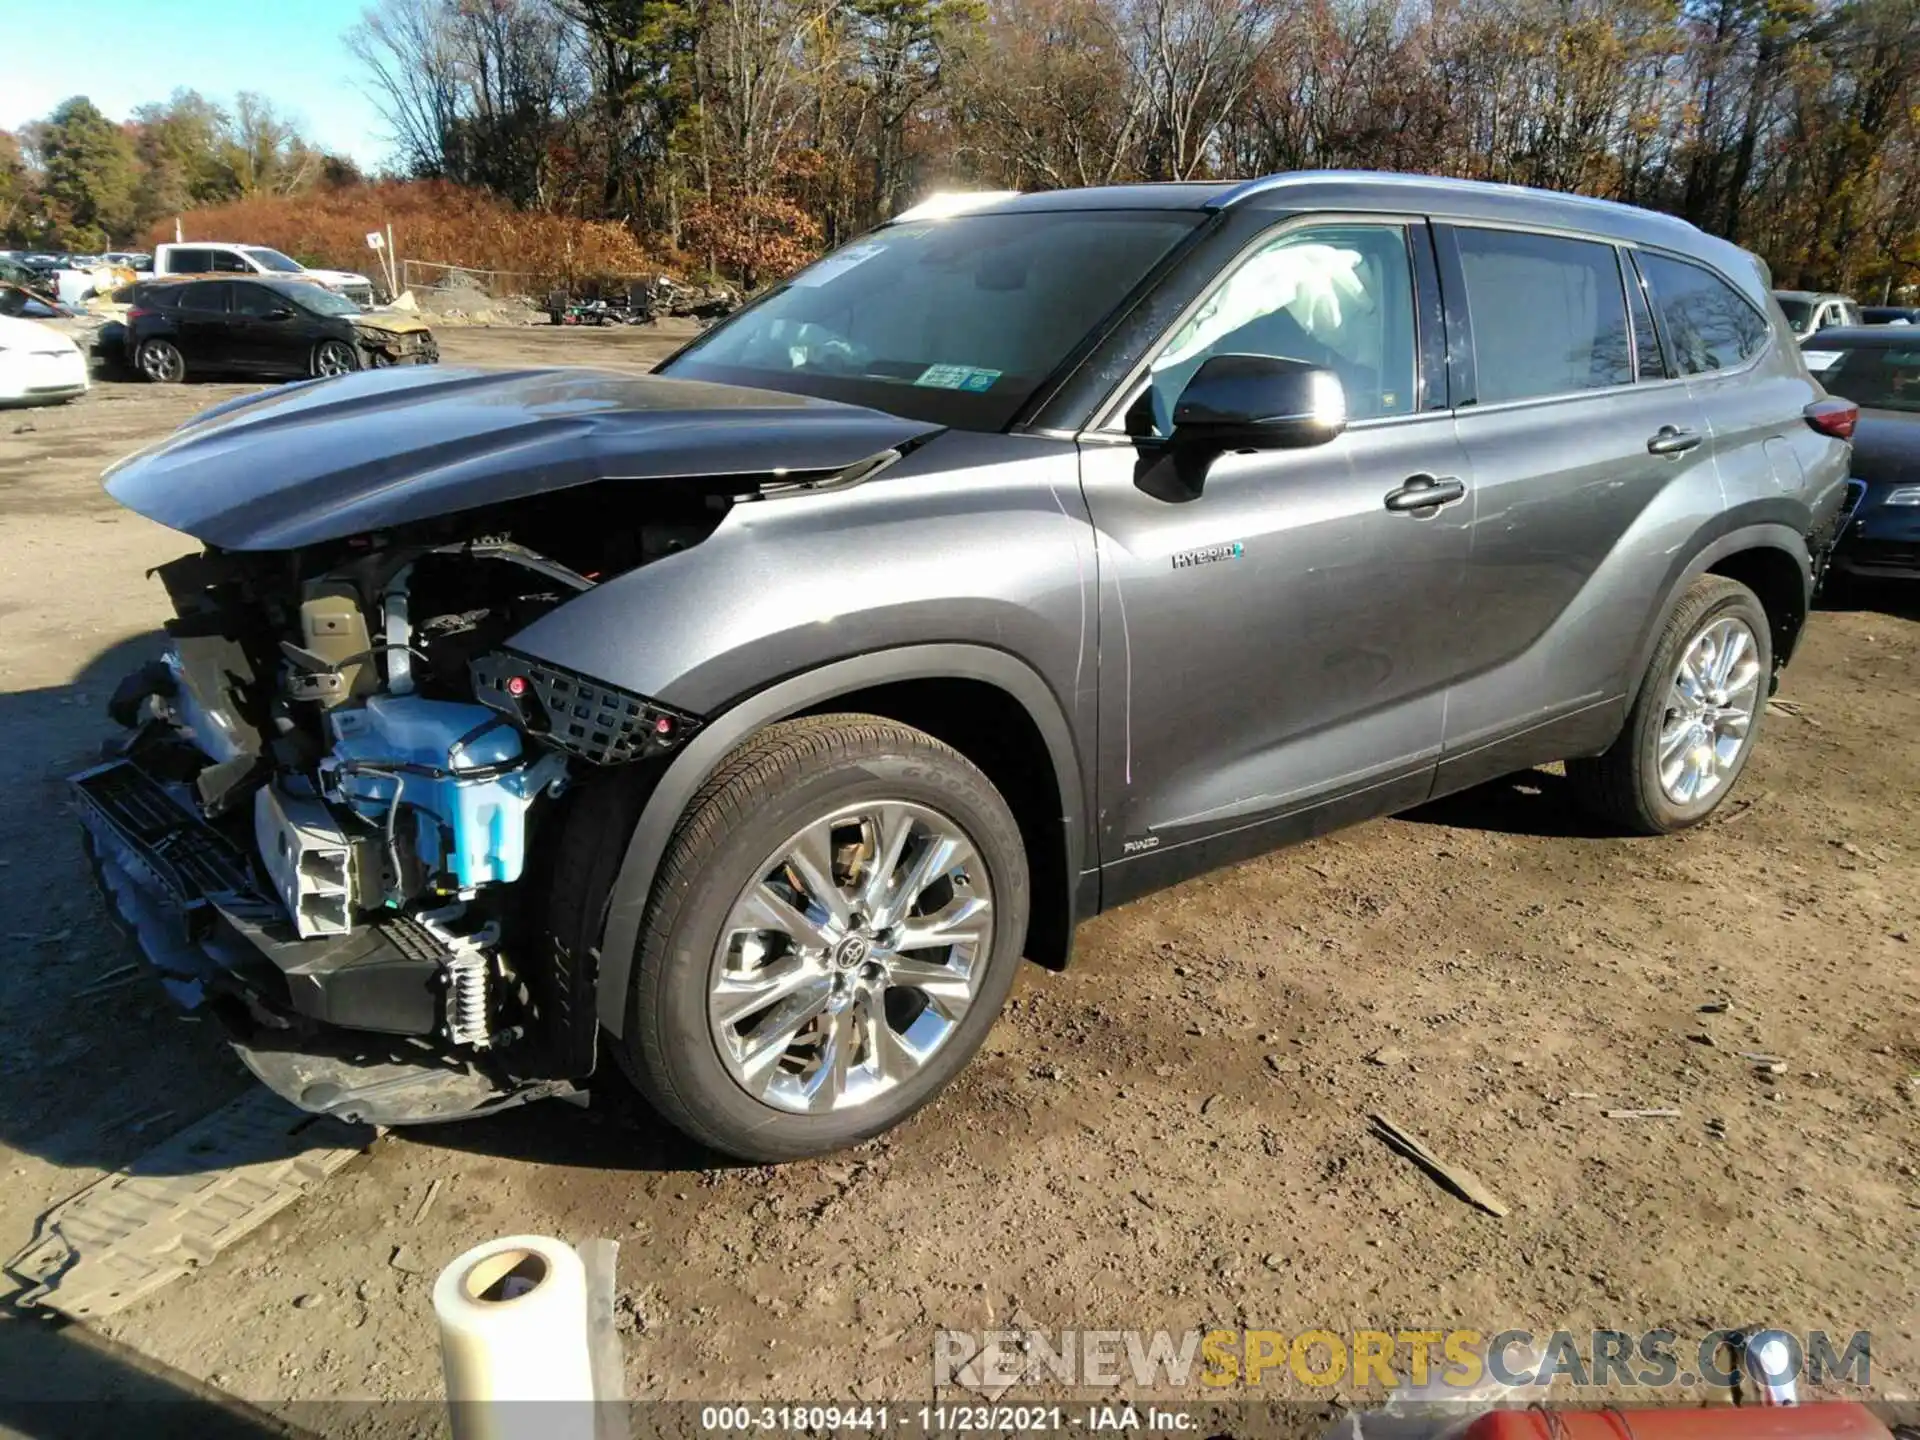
(323, 817)
(333, 816)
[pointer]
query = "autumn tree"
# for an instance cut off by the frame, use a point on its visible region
(89, 176)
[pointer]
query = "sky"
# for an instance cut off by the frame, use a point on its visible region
(123, 53)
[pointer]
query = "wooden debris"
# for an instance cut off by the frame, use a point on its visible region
(1658, 1114)
(426, 1203)
(1462, 1182)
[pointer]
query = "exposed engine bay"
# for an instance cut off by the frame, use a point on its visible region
(338, 776)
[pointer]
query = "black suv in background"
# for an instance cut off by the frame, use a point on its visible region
(744, 724)
(284, 329)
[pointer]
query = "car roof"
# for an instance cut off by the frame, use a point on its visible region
(1366, 190)
(293, 284)
(1862, 336)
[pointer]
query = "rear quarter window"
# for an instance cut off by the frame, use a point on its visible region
(1710, 325)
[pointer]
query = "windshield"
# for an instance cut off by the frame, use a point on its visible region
(1798, 312)
(954, 321)
(322, 302)
(273, 259)
(1875, 377)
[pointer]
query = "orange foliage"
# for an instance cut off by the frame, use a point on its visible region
(755, 237)
(432, 221)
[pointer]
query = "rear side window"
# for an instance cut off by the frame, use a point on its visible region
(204, 300)
(1549, 314)
(227, 262)
(1710, 325)
(189, 262)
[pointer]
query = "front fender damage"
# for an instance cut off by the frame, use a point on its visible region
(333, 814)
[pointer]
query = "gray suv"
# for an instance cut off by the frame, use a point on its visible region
(748, 722)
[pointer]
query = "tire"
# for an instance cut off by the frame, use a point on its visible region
(334, 357)
(1627, 785)
(789, 781)
(161, 362)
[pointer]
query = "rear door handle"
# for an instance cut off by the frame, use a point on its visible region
(1672, 440)
(1426, 492)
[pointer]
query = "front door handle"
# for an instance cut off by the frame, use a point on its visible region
(1672, 440)
(1426, 492)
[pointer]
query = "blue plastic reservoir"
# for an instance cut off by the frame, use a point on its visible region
(473, 829)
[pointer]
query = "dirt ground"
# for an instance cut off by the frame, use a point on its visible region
(1172, 1134)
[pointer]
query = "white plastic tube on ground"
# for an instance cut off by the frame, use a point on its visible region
(513, 1341)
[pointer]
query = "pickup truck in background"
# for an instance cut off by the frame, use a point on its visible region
(212, 257)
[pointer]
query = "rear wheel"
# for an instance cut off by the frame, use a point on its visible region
(833, 930)
(334, 357)
(161, 362)
(1697, 715)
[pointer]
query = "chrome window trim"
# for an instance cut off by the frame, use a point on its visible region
(1773, 336)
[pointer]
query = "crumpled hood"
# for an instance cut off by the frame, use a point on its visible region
(327, 459)
(389, 322)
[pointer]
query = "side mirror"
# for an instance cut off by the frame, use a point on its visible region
(1258, 402)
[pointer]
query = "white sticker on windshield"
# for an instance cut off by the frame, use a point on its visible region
(834, 266)
(1818, 360)
(958, 377)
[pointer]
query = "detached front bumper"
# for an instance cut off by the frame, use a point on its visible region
(385, 349)
(340, 1026)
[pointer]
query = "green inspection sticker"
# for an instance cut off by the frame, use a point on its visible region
(958, 377)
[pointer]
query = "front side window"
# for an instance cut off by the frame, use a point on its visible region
(1710, 326)
(956, 321)
(1549, 314)
(1338, 296)
(324, 302)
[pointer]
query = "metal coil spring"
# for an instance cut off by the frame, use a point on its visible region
(467, 1000)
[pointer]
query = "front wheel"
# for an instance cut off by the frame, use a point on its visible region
(334, 357)
(1697, 715)
(833, 931)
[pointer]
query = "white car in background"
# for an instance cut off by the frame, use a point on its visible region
(38, 366)
(220, 257)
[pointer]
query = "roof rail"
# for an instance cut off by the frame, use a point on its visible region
(1261, 185)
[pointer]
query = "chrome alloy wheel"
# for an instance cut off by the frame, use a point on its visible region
(161, 362)
(851, 957)
(1711, 704)
(333, 358)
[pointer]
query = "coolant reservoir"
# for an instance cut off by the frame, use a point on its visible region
(467, 831)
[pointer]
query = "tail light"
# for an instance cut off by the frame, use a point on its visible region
(140, 312)
(1833, 417)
